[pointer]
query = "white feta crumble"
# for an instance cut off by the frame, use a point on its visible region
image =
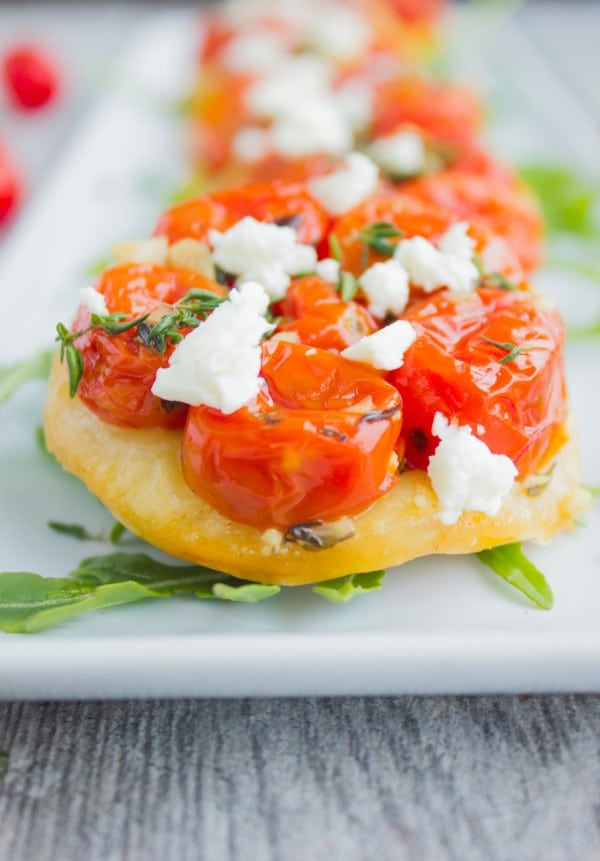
(255, 52)
(451, 265)
(257, 251)
(251, 143)
(329, 270)
(310, 125)
(338, 31)
(386, 287)
(341, 190)
(218, 364)
(384, 349)
(465, 474)
(356, 99)
(301, 78)
(401, 154)
(93, 300)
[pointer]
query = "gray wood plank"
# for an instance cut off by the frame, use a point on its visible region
(365, 779)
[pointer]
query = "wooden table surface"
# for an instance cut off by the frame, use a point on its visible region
(370, 779)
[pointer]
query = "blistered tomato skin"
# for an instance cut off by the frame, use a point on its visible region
(506, 210)
(270, 202)
(517, 407)
(314, 312)
(119, 370)
(414, 217)
(312, 447)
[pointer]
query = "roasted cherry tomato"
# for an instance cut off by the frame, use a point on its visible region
(417, 10)
(277, 202)
(316, 444)
(509, 212)
(30, 77)
(446, 113)
(314, 311)
(413, 217)
(119, 370)
(463, 365)
(10, 188)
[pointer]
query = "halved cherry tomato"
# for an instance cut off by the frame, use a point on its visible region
(509, 212)
(273, 202)
(10, 188)
(119, 370)
(313, 310)
(445, 112)
(30, 77)
(415, 218)
(317, 443)
(514, 404)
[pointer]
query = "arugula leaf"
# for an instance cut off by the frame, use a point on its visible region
(30, 603)
(567, 197)
(510, 563)
(36, 367)
(343, 589)
(74, 530)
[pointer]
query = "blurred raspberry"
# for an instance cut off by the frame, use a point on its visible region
(30, 77)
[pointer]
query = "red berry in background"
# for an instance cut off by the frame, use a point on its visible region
(10, 188)
(30, 77)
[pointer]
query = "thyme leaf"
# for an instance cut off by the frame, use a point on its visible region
(377, 234)
(512, 350)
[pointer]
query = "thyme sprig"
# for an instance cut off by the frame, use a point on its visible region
(347, 286)
(377, 234)
(189, 312)
(512, 350)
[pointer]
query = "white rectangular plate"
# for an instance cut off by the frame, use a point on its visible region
(438, 625)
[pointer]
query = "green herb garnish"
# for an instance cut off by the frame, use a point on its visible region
(31, 603)
(512, 350)
(348, 286)
(568, 198)
(36, 367)
(377, 235)
(344, 589)
(335, 249)
(498, 280)
(510, 563)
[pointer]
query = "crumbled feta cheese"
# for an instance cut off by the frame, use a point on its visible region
(218, 363)
(338, 31)
(386, 287)
(94, 301)
(401, 154)
(329, 270)
(251, 144)
(341, 190)
(255, 52)
(465, 474)
(384, 349)
(301, 78)
(449, 266)
(355, 100)
(153, 250)
(267, 253)
(310, 125)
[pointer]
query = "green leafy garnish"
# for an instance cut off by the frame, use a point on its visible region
(116, 533)
(512, 350)
(377, 234)
(580, 333)
(348, 286)
(510, 563)
(36, 367)
(335, 249)
(31, 603)
(567, 197)
(97, 267)
(73, 530)
(498, 280)
(343, 589)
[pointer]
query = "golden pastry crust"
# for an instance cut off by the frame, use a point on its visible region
(136, 474)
